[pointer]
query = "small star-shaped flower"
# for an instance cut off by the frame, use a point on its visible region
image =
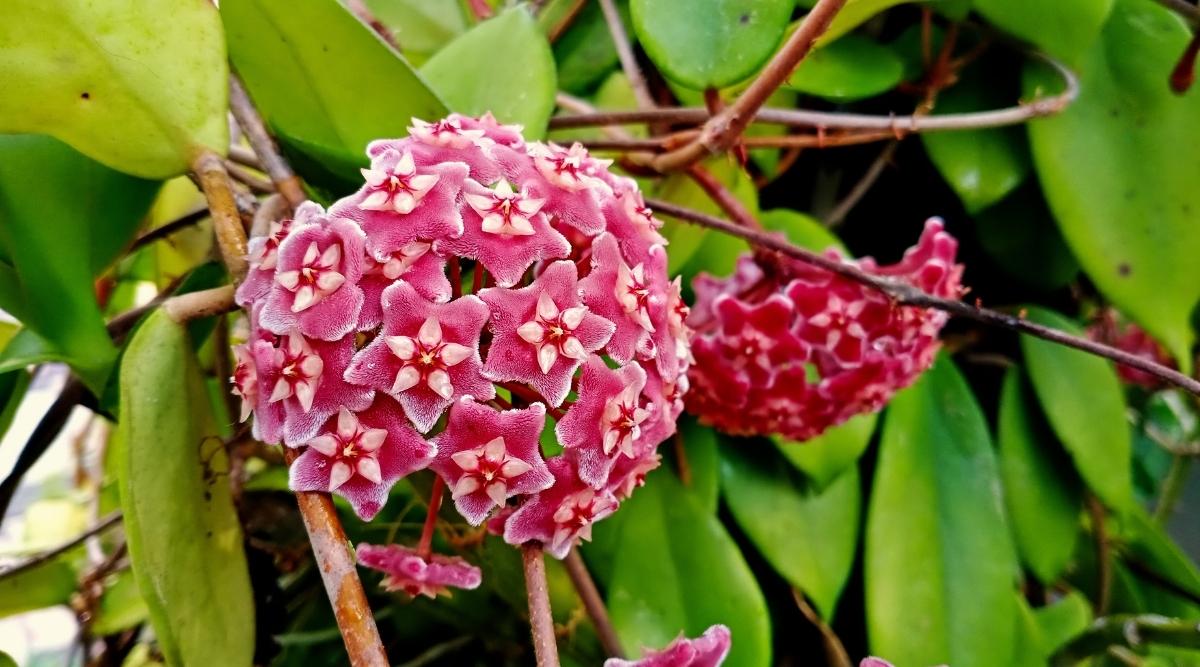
(542, 333)
(407, 571)
(488, 456)
(566, 178)
(562, 515)
(427, 354)
(447, 132)
(758, 337)
(633, 224)
(505, 232)
(707, 650)
(316, 278)
(626, 296)
(399, 189)
(605, 421)
(245, 379)
(416, 264)
(361, 456)
(262, 253)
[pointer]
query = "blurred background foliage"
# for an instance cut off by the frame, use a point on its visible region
(1018, 492)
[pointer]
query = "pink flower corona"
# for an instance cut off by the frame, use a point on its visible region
(475, 296)
(707, 650)
(793, 350)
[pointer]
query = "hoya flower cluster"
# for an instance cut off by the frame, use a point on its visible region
(475, 285)
(792, 349)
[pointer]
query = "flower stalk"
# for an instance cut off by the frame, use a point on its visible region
(545, 645)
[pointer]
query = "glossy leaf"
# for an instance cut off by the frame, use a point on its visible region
(120, 607)
(1082, 399)
(585, 52)
(1041, 490)
(503, 65)
(801, 229)
(703, 462)
(1062, 620)
(709, 43)
(981, 166)
(1111, 166)
(1150, 546)
(939, 562)
(138, 85)
(1020, 234)
(825, 457)
(421, 27)
(47, 585)
(810, 537)
(851, 68)
(677, 570)
(1063, 28)
(63, 219)
(325, 82)
(185, 541)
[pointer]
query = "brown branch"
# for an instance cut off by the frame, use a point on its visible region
(723, 130)
(244, 156)
(203, 303)
(335, 560)
(905, 294)
(227, 222)
(167, 229)
(248, 178)
(593, 604)
(722, 197)
(49, 555)
(281, 174)
(541, 623)
(637, 81)
(898, 125)
(835, 651)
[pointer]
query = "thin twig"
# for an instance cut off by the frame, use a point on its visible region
(906, 294)
(722, 197)
(167, 229)
(898, 125)
(835, 652)
(637, 81)
(1128, 631)
(227, 222)
(202, 303)
(281, 174)
(251, 180)
(541, 623)
(425, 546)
(1104, 563)
(593, 604)
(723, 130)
(864, 185)
(244, 156)
(565, 22)
(46, 556)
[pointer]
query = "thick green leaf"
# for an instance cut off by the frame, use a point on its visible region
(1041, 490)
(1062, 620)
(703, 462)
(12, 389)
(851, 68)
(1063, 28)
(981, 166)
(709, 43)
(676, 570)
(1152, 548)
(808, 536)
(503, 65)
(121, 606)
(138, 85)
(47, 585)
(827, 456)
(1123, 191)
(63, 219)
(801, 229)
(1020, 235)
(421, 27)
(185, 541)
(1082, 399)
(585, 53)
(939, 561)
(326, 83)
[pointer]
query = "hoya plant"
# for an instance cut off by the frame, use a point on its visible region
(646, 333)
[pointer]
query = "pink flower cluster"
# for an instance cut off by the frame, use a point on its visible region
(796, 349)
(707, 650)
(1113, 330)
(473, 286)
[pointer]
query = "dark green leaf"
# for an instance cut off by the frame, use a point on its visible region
(138, 85)
(421, 27)
(1063, 28)
(1020, 235)
(326, 83)
(12, 389)
(1041, 490)
(1117, 181)
(981, 166)
(709, 43)
(939, 561)
(1151, 548)
(703, 462)
(503, 65)
(809, 537)
(121, 606)
(185, 541)
(585, 53)
(1082, 399)
(47, 585)
(677, 570)
(63, 218)
(851, 68)
(827, 456)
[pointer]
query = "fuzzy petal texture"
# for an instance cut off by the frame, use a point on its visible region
(707, 650)
(315, 287)
(434, 374)
(626, 296)
(415, 264)
(562, 515)
(561, 325)
(407, 571)
(361, 456)
(487, 456)
(605, 422)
